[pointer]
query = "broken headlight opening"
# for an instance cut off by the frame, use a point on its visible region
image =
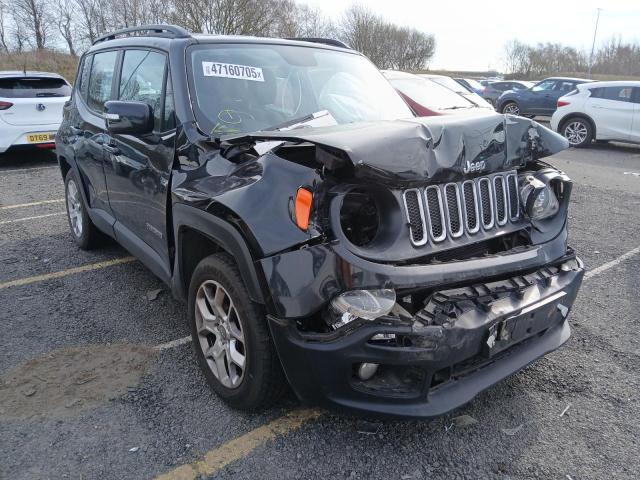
(538, 198)
(360, 304)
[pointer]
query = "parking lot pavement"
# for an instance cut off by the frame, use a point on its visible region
(92, 387)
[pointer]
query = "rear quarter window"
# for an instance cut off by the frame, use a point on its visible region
(34, 87)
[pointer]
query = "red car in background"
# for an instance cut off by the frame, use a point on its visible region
(427, 98)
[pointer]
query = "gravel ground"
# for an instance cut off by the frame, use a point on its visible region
(58, 420)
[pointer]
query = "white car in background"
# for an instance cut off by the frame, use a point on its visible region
(599, 111)
(451, 84)
(30, 108)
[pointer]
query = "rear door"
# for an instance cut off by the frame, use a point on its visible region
(138, 167)
(612, 109)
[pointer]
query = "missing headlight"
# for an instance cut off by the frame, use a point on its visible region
(359, 217)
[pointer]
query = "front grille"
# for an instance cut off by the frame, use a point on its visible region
(445, 211)
(415, 216)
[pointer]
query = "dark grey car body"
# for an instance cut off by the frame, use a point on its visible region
(486, 290)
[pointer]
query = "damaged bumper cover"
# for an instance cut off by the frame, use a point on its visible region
(464, 340)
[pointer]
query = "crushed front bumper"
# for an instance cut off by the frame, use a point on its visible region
(463, 341)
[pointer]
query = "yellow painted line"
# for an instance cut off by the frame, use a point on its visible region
(66, 273)
(32, 204)
(240, 447)
(26, 219)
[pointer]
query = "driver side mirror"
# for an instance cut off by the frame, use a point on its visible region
(131, 118)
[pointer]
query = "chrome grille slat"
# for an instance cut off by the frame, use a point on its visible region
(470, 206)
(435, 213)
(500, 196)
(514, 197)
(485, 201)
(450, 210)
(415, 216)
(453, 209)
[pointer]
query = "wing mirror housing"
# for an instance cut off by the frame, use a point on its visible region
(131, 118)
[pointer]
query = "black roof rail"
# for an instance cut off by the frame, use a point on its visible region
(166, 31)
(327, 41)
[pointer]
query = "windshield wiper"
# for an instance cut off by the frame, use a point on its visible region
(456, 107)
(49, 94)
(297, 121)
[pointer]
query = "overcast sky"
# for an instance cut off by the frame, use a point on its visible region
(471, 35)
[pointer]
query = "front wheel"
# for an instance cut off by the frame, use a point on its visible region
(578, 131)
(511, 108)
(231, 337)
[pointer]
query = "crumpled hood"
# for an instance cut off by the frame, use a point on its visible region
(428, 149)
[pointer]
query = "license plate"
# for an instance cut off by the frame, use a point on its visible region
(41, 137)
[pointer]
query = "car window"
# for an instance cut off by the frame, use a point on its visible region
(518, 86)
(620, 94)
(430, 94)
(242, 88)
(82, 82)
(101, 79)
(169, 116)
(142, 79)
(564, 86)
(544, 85)
(34, 87)
(635, 97)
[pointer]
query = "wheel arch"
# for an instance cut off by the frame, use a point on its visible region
(584, 116)
(199, 234)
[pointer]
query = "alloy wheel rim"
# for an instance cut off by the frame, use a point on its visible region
(512, 108)
(74, 208)
(576, 133)
(220, 333)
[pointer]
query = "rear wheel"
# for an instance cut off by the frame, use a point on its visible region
(84, 232)
(578, 131)
(511, 108)
(231, 337)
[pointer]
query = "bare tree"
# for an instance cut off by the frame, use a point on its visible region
(65, 23)
(32, 17)
(4, 34)
(311, 22)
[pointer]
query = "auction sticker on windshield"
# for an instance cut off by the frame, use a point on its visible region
(229, 70)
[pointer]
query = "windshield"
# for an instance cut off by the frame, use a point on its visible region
(474, 84)
(430, 94)
(245, 88)
(450, 83)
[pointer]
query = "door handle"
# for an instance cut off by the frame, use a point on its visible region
(111, 150)
(111, 147)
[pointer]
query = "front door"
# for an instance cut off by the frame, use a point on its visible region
(535, 100)
(87, 125)
(138, 167)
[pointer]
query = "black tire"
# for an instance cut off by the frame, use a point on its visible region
(578, 131)
(87, 236)
(508, 107)
(262, 382)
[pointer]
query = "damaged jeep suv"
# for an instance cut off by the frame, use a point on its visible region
(321, 235)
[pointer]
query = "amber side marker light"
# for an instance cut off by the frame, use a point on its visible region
(304, 199)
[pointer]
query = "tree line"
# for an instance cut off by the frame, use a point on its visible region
(72, 25)
(613, 57)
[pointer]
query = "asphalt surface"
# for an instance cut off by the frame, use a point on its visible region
(63, 415)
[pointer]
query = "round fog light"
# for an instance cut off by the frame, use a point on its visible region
(366, 371)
